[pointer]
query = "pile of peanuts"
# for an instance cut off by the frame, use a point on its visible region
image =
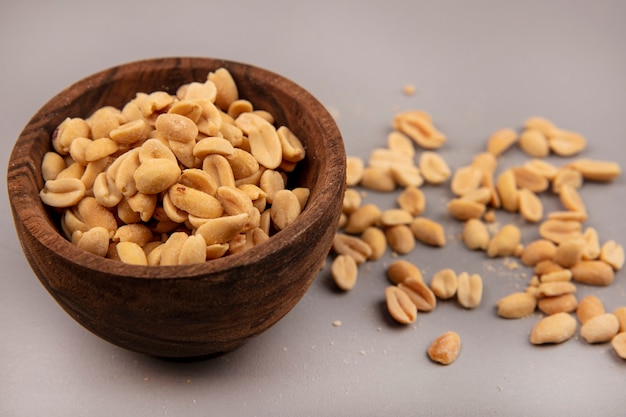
(174, 179)
(564, 254)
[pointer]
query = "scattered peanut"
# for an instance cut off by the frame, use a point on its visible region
(445, 348)
(556, 328)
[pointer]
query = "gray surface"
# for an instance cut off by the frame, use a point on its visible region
(477, 66)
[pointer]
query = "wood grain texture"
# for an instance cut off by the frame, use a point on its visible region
(193, 310)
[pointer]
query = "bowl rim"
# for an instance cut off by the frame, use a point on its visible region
(23, 192)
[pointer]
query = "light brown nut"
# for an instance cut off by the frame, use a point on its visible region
(504, 242)
(475, 235)
(187, 108)
(445, 348)
(571, 199)
(212, 145)
(51, 165)
(619, 344)
(225, 86)
(170, 252)
(400, 239)
(351, 245)
(516, 305)
(469, 292)
(156, 175)
(142, 204)
(406, 176)
(567, 215)
(488, 183)
(547, 266)
(542, 167)
(486, 161)
(239, 107)
(376, 239)
(105, 192)
(137, 233)
(195, 90)
(434, 168)
(235, 201)
(556, 328)
(222, 229)
(538, 250)
(529, 178)
(93, 214)
(600, 329)
(155, 103)
(541, 124)
(293, 150)
(193, 251)
(199, 179)
(232, 133)
(344, 271)
(100, 148)
(480, 195)
(399, 305)
(530, 206)
(412, 199)
(418, 126)
(220, 169)
(399, 142)
(351, 201)
(78, 147)
(592, 248)
(259, 197)
(466, 179)
(271, 182)
(534, 143)
(195, 202)
(394, 217)
(354, 170)
(553, 288)
(558, 231)
(125, 171)
(569, 252)
(620, 313)
(242, 164)
(285, 209)
(501, 140)
(590, 306)
(172, 212)
(564, 303)
(444, 284)
(569, 176)
(399, 270)
(428, 232)
(64, 192)
(595, 170)
(131, 253)
(386, 158)
(93, 169)
(507, 190)
(422, 296)
(131, 132)
(68, 130)
(554, 276)
(593, 273)
(365, 216)
(378, 179)
(103, 120)
(566, 143)
(613, 254)
(94, 240)
(462, 209)
(264, 142)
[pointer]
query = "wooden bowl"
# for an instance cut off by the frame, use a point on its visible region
(192, 310)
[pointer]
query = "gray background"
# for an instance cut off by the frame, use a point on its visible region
(477, 66)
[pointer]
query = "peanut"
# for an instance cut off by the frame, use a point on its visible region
(400, 306)
(589, 307)
(400, 270)
(344, 271)
(444, 284)
(422, 296)
(516, 305)
(445, 348)
(428, 232)
(556, 328)
(470, 290)
(600, 329)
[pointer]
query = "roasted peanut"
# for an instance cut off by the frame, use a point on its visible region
(344, 271)
(445, 348)
(399, 270)
(504, 242)
(428, 232)
(470, 290)
(475, 235)
(516, 305)
(399, 305)
(590, 306)
(422, 296)
(556, 328)
(444, 284)
(600, 329)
